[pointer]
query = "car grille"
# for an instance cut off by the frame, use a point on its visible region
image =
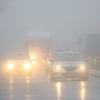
(71, 68)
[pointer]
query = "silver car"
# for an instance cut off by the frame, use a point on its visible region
(68, 65)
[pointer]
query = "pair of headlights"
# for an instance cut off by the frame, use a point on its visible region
(80, 68)
(11, 66)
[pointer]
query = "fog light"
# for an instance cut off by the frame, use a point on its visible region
(10, 66)
(27, 66)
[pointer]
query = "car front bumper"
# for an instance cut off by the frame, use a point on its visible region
(70, 75)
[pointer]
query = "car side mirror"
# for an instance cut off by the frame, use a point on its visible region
(51, 61)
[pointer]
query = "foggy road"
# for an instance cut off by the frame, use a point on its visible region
(32, 32)
(41, 88)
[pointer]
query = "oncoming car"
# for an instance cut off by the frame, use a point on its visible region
(19, 64)
(68, 65)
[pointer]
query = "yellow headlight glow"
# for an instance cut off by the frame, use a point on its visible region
(58, 67)
(82, 68)
(10, 66)
(27, 66)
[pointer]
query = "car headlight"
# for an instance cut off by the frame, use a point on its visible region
(10, 66)
(82, 67)
(27, 66)
(58, 67)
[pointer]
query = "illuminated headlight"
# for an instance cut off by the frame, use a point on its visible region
(58, 67)
(10, 66)
(27, 66)
(82, 67)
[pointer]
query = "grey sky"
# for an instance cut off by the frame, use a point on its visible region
(62, 17)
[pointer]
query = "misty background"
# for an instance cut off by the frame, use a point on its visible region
(64, 19)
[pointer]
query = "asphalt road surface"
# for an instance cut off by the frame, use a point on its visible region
(41, 88)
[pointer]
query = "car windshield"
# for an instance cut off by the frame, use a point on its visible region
(67, 57)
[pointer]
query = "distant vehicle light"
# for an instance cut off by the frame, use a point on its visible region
(27, 66)
(32, 57)
(10, 66)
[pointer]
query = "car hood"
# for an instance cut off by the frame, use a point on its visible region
(69, 63)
